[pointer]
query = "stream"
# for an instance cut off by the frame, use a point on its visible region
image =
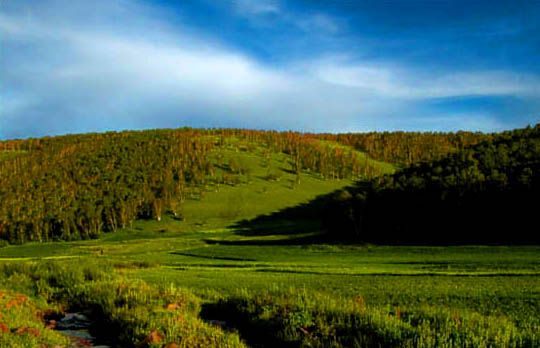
(76, 326)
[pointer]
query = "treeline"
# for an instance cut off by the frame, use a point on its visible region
(406, 148)
(78, 186)
(486, 193)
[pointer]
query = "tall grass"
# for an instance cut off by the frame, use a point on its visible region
(126, 312)
(306, 319)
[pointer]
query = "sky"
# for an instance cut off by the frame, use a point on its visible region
(77, 66)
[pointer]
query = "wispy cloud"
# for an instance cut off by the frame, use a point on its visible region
(271, 12)
(63, 73)
(399, 82)
(318, 23)
(256, 7)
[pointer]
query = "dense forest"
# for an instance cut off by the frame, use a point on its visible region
(485, 193)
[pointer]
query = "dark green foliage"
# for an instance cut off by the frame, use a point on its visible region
(486, 193)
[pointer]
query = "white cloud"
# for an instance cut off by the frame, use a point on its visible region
(68, 74)
(138, 81)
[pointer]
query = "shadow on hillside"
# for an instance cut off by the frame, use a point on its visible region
(298, 225)
(416, 216)
(315, 238)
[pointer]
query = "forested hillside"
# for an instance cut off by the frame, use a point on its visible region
(486, 193)
(78, 186)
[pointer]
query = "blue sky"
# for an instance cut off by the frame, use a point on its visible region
(82, 66)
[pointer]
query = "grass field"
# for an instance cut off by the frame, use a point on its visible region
(221, 268)
(269, 281)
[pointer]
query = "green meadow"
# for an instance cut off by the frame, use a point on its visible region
(228, 275)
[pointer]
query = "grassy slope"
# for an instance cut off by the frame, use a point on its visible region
(384, 166)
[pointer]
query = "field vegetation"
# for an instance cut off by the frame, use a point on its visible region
(230, 239)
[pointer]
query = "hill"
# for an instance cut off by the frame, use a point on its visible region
(78, 186)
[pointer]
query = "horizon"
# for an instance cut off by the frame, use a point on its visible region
(257, 130)
(312, 67)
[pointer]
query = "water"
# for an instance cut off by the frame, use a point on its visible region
(76, 326)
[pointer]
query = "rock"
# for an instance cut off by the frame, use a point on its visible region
(51, 324)
(154, 337)
(28, 330)
(4, 327)
(172, 306)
